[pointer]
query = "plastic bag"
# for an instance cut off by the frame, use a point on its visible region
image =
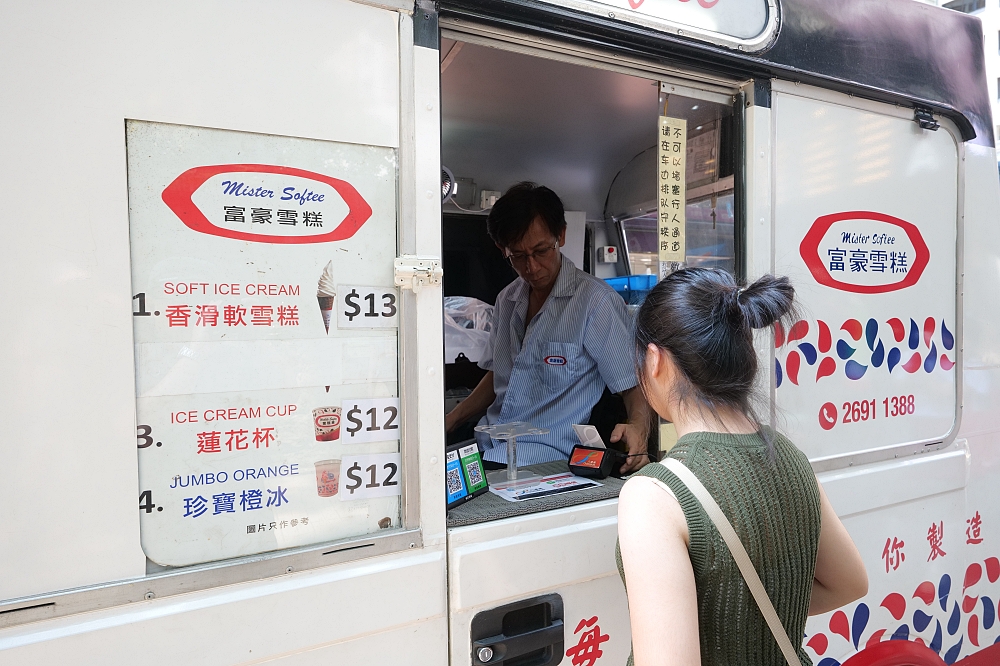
(467, 323)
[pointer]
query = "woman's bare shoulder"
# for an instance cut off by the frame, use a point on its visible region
(646, 503)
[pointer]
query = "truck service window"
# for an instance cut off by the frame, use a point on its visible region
(592, 136)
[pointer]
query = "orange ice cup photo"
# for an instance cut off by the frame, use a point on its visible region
(327, 477)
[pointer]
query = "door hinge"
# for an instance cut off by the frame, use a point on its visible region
(411, 272)
(925, 118)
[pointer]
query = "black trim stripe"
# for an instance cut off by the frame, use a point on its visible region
(895, 51)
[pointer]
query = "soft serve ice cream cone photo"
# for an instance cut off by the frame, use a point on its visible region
(326, 293)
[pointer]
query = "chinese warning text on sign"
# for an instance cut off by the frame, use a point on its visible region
(671, 187)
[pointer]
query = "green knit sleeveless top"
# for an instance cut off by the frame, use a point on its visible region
(774, 506)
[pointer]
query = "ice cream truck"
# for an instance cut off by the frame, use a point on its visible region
(231, 230)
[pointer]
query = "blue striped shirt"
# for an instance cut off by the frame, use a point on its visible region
(578, 343)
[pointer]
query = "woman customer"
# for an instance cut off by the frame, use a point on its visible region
(688, 601)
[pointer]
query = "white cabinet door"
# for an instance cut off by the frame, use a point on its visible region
(865, 224)
(242, 167)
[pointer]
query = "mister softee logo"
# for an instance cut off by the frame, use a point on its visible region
(864, 252)
(266, 204)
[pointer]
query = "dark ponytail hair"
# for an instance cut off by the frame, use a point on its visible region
(706, 321)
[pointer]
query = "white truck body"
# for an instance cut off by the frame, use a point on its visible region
(75, 582)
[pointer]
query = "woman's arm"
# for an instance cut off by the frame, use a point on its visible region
(662, 599)
(840, 572)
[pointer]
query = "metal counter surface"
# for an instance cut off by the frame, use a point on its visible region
(488, 506)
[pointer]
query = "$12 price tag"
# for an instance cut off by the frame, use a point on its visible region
(367, 307)
(373, 475)
(371, 420)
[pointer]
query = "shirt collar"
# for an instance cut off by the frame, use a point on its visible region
(566, 282)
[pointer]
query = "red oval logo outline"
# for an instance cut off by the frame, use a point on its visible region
(555, 360)
(177, 195)
(809, 251)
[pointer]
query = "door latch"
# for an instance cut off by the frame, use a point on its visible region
(410, 272)
(925, 118)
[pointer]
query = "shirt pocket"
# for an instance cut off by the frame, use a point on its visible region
(561, 364)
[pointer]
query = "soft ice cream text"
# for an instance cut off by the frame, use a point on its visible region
(230, 289)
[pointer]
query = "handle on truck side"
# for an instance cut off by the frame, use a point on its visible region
(502, 647)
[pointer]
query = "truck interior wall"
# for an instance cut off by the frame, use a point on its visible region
(508, 117)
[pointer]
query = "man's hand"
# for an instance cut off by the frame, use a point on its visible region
(450, 421)
(635, 444)
(477, 403)
(634, 435)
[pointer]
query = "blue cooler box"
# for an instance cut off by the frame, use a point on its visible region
(633, 288)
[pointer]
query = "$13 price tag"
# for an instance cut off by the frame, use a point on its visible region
(373, 475)
(367, 307)
(371, 420)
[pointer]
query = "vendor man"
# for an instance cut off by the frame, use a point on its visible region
(559, 336)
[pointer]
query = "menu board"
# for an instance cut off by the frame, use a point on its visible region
(671, 182)
(265, 324)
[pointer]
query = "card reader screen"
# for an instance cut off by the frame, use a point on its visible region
(585, 458)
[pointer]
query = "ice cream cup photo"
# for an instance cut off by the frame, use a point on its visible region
(326, 292)
(326, 422)
(327, 477)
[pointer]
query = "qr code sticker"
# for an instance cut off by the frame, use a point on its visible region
(475, 473)
(454, 477)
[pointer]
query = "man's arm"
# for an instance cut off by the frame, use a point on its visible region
(478, 402)
(636, 431)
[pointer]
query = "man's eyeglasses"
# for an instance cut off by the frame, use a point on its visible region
(519, 260)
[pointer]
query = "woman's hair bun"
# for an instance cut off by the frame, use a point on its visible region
(705, 321)
(766, 301)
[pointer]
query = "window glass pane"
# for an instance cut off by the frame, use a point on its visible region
(708, 192)
(265, 328)
(640, 241)
(710, 233)
(710, 240)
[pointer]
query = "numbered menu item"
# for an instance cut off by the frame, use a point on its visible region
(259, 408)
(367, 307)
(371, 420)
(371, 476)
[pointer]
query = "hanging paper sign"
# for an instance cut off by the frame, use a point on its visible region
(671, 187)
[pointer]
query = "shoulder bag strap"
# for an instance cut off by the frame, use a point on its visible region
(739, 553)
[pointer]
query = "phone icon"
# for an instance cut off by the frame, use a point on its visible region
(827, 416)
